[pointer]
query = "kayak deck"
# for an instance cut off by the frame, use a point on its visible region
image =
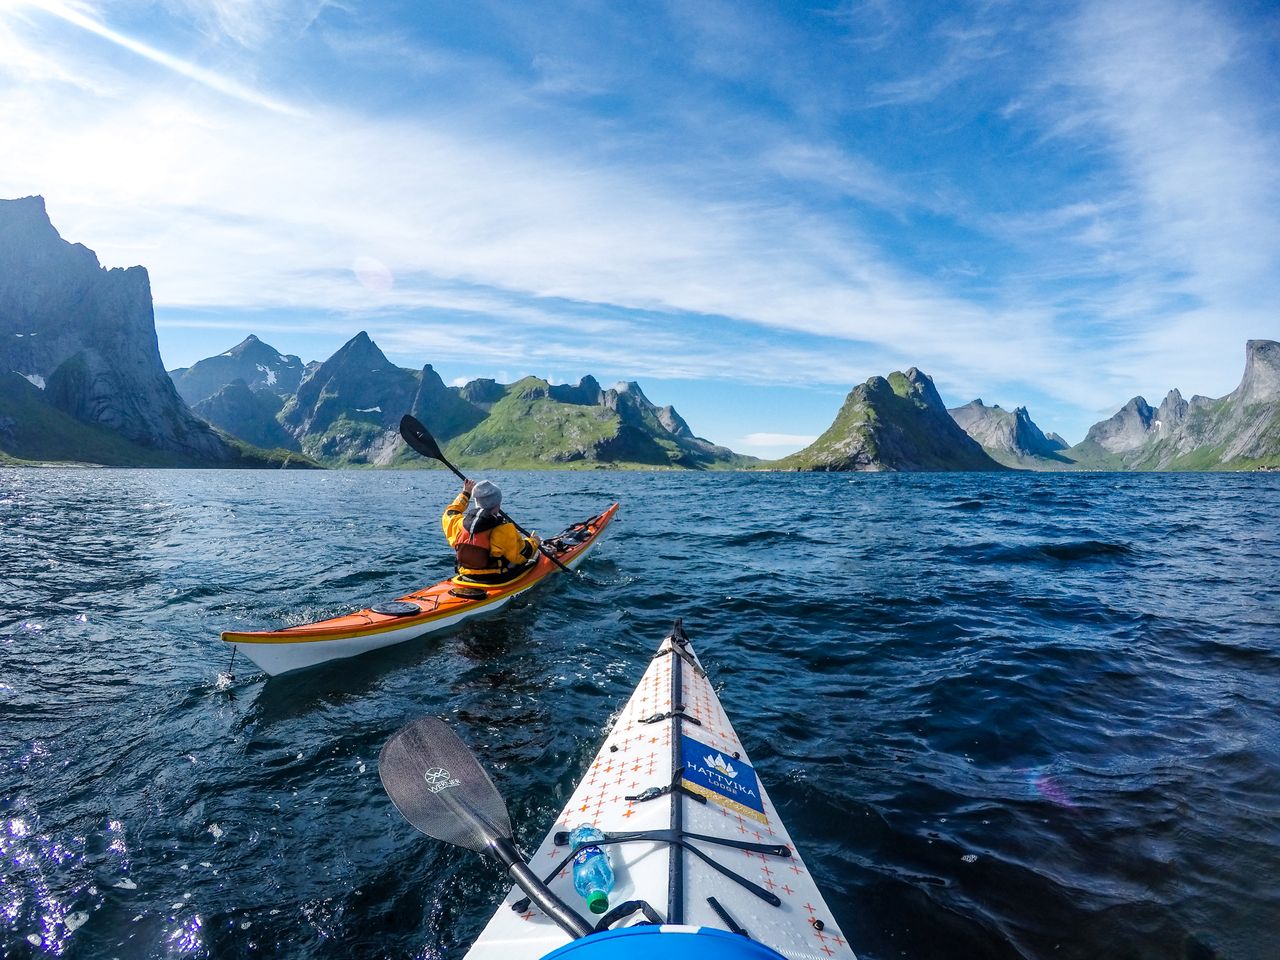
(412, 615)
(674, 722)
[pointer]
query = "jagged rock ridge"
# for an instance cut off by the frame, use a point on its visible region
(1010, 437)
(1241, 429)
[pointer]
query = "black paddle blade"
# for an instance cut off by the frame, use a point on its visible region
(418, 437)
(436, 782)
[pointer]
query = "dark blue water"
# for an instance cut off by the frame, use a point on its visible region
(1004, 716)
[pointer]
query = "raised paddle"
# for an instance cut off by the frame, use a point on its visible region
(420, 438)
(440, 787)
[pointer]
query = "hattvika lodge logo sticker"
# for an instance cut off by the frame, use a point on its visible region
(730, 783)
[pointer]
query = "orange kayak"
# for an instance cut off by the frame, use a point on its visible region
(446, 604)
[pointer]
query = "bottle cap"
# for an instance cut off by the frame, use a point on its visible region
(597, 901)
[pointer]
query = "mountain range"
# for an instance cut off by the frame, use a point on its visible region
(346, 411)
(81, 380)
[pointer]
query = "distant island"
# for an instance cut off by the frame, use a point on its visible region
(81, 381)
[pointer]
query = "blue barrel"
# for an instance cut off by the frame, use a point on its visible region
(678, 943)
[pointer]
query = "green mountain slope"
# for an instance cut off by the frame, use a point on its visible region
(899, 423)
(537, 425)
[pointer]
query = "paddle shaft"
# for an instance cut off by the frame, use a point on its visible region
(564, 916)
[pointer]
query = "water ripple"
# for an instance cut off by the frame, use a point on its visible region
(1004, 716)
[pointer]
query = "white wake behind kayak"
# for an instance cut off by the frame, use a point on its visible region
(674, 722)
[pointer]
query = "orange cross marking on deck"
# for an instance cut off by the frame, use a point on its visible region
(820, 935)
(796, 870)
(787, 890)
(828, 951)
(629, 813)
(527, 915)
(838, 939)
(765, 869)
(809, 907)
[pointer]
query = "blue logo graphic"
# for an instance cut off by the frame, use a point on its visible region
(722, 779)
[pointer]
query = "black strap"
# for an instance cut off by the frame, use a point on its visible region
(723, 914)
(626, 909)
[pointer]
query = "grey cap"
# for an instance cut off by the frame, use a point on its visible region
(487, 495)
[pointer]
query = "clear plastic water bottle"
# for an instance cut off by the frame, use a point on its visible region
(592, 872)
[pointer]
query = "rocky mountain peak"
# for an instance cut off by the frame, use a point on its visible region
(444, 410)
(921, 384)
(1126, 430)
(359, 349)
(1242, 428)
(261, 366)
(672, 422)
(1172, 411)
(27, 216)
(484, 391)
(587, 392)
(1010, 436)
(626, 395)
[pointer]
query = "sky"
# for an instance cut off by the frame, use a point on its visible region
(747, 207)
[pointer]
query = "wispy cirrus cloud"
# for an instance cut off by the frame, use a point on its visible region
(1190, 214)
(83, 17)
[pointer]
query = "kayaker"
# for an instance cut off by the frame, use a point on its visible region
(489, 548)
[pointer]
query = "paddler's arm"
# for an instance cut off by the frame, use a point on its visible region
(452, 517)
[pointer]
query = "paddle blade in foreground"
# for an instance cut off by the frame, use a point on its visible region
(418, 437)
(435, 781)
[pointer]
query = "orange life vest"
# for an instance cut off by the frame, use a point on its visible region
(473, 550)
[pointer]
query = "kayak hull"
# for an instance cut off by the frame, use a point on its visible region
(439, 607)
(674, 730)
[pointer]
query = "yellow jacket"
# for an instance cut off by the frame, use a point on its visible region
(507, 545)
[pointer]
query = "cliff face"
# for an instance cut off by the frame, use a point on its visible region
(1237, 431)
(899, 423)
(443, 411)
(87, 335)
(1010, 437)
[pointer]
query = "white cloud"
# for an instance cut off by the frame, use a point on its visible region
(76, 15)
(581, 257)
(1194, 217)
